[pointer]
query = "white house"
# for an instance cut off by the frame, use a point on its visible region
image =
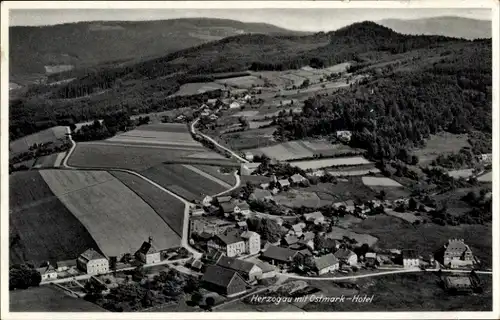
(196, 212)
(410, 259)
(247, 270)
(247, 169)
(283, 183)
(297, 179)
(249, 156)
(242, 208)
(344, 135)
(48, 273)
(92, 262)
(147, 253)
(316, 217)
(66, 265)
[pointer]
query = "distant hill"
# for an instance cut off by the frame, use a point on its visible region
(60, 47)
(456, 27)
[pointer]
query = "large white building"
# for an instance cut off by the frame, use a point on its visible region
(92, 262)
(252, 242)
(147, 253)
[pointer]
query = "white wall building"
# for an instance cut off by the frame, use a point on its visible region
(92, 262)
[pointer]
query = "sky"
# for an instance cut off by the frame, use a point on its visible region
(294, 19)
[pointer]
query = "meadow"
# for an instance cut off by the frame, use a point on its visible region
(325, 163)
(361, 238)
(45, 229)
(352, 189)
(245, 82)
(190, 89)
(216, 172)
(380, 181)
(161, 134)
(49, 161)
(116, 217)
(442, 143)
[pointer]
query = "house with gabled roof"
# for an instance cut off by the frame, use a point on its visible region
(229, 242)
(224, 281)
(316, 217)
(279, 255)
(260, 195)
(223, 199)
(92, 262)
(48, 273)
(297, 179)
(326, 264)
(457, 254)
(207, 201)
(247, 270)
(283, 184)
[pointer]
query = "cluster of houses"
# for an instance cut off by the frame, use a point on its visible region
(92, 262)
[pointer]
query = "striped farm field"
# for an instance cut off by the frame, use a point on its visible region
(380, 181)
(42, 228)
(169, 208)
(161, 134)
(179, 178)
(133, 157)
(208, 176)
(116, 217)
(245, 82)
(325, 163)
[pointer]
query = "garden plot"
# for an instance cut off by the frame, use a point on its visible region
(380, 181)
(190, 89)
(296, 199)
(162, 134)
(325, 163)
(407, 216)
(116, 217)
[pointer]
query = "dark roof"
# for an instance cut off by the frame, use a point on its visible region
(219, 276)
(66, 263)
(235, 264)
(227, 207)
(291, 240)
(409, 254)
(229, 237)
(325, 261)
(260, 194)
(205, 235)
(279, 253)
(224, 199)
(308, 235)
(330, 243)
(145, 248)
(343, 254)
(91, 254)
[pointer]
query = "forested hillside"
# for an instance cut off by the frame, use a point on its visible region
(398, 107)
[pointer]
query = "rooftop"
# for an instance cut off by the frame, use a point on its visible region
(460, 281)
(219, 276)
(325, 261)
(235, 264)
(229, 237)
(313, 215)
(456, 245)
(409, 254)
(91, 254)
(279, 253)
(249, 234)
(260, 194)
(344, 254)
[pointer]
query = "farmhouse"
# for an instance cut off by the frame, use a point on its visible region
(227, 208)
(457, 254)
(242, 208)
(223, 281)
(326, 264)
(410, 258)
(370, 258)
(195, 264)
(48, 273)
(247, 270)
(242, 225)
(289, 240)
(196, 212)
(316, 217)
(268, 270)
(486, 157)
(208, 225)
(147, 254)
(346, 256)
(297, 179)
(279, 256)
(296, 229)
(265, 185)
(224, 199)
(247, 169)
(92, 262)
(458, 284)
(260, 195)
(283, 184)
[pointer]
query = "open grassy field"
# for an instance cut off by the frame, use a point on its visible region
(353, 189)
(443, 143)
(487, 177)
(169, 175)
(407, 216)
(46, 229)
(208, 176)
(216, 172)
(426, 238)
(353, 172)
(248, 139)
(132, 157)
(392, 193)
(169, 208)
(49, 161)
(190, 89)
(409, 292)
(117, 218)
(48, 299)
(161, 134)
(333, 162)
(53, 135)
(258, 124)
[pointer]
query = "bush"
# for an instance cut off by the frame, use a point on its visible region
(23, 277)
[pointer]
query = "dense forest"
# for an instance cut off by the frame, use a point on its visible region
(395, 111)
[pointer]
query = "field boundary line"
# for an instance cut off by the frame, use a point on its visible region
(207, 175)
